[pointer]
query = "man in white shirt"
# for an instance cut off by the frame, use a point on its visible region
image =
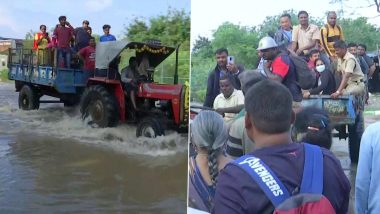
(230, 101)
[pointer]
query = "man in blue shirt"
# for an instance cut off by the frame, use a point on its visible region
(222, 68)
(107, 36)
(367, 186)
(283, 36)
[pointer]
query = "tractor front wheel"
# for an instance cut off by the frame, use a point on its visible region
(100, 106)
(149, 127)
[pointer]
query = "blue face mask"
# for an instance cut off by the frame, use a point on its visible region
(320, 68)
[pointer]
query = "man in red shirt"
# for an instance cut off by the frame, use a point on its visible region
(280, 68)
(87, 55)
(64, 33)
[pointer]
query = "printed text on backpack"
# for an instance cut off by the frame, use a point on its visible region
(308, 201)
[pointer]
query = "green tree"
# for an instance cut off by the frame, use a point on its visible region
(202, 46)
(360, 31)
(241, 41)
(30, 35)
(171, 29)
(365, 4)
(272, 23)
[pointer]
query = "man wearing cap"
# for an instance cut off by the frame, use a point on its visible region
(280, 68)
(82, 37)
(107, 36)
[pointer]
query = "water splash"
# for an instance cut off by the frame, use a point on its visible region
(65, 123)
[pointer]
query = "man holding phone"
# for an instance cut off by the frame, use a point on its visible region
(225, 66)
(64, 33)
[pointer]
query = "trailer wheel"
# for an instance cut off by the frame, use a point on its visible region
(355, 132)
(100, 106)
(149, 127)
(28, 98)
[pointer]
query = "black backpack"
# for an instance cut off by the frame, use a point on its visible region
(306, 77)
(363, 65)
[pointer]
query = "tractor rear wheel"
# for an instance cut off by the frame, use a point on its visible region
(28, 98)
(100, 106)
(149, 127)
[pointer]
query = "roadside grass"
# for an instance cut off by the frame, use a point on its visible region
(374, 103)
(4, 75)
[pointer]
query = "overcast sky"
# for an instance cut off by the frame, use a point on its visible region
(206, 16)
(17, 17)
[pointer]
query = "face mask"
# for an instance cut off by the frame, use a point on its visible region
(320, 68)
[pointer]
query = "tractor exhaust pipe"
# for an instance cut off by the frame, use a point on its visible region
(176, 65)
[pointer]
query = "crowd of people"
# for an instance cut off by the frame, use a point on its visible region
(252, 151)
(70, 44)
(76, 49)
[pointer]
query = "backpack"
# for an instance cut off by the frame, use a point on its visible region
(363, 65)
(339, 29)
(282, 38)
(306, 78)
(308, 200)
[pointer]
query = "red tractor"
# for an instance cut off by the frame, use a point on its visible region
(161, 106)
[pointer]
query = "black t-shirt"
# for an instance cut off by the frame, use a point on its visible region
(327, 83)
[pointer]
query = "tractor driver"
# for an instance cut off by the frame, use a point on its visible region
(129, 78)
(144, 68)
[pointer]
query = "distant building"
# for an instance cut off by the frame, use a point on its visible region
(6, 43)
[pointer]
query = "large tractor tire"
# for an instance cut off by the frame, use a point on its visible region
(28, 98)
(100, 106)
(355, 132)
(149, 127)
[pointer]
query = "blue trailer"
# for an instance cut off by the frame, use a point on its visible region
(33, 80)
(346, 116)
(101, 95)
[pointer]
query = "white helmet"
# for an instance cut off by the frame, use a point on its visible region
(266, 42)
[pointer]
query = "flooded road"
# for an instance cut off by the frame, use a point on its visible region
(51, 161)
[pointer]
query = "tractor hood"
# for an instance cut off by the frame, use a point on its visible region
(108, 51)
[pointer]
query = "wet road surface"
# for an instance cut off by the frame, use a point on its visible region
(51, 161)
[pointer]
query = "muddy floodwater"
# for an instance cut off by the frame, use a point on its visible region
(52, 162)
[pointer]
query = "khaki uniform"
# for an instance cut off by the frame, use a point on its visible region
(304, 37)
(355, 84)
